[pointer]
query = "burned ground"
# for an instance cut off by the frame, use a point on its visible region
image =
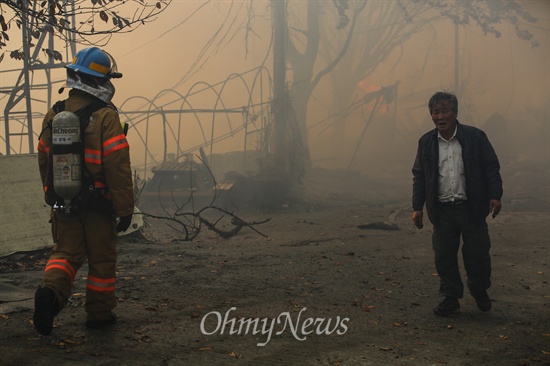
(323, 260)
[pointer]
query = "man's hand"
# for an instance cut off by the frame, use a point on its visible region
(124, 223)
(417, 219)
(494, 207)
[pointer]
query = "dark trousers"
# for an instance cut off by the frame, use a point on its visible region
(452, 222)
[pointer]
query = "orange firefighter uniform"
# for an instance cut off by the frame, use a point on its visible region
(91, 231)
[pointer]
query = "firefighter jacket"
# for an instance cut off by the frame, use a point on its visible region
(106, 160)
(481, 170)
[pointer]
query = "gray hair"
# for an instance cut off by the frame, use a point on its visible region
(439, 96)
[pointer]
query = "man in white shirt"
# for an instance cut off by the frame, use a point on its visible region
(457, 176)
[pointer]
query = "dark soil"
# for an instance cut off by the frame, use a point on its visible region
(324, 261)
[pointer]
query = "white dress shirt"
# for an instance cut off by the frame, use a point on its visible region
(452, 182)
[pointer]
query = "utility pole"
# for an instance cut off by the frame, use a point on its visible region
(280, 148)
(457, 56)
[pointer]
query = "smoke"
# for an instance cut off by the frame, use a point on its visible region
(503, 77)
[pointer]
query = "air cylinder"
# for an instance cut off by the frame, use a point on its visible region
(67, 159)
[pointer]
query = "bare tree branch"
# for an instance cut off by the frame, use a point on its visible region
(344, 49)
(189, 222)
(90, 22)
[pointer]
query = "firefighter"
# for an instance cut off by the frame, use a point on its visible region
(88, 228)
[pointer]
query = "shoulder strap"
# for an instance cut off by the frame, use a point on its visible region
(85, 113)
(59, 106)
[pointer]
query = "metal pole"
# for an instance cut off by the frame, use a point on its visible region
(27, 51)
(246, 120)
(164, 136)
(279, 74)
(456, 81)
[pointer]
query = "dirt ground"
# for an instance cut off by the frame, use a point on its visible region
(376, 286)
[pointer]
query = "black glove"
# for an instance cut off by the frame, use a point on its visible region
(124, 223)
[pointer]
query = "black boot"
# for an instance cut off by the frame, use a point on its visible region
(448, 306)
(46, 307)
(482, 300)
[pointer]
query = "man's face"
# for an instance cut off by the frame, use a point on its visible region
(444, 118)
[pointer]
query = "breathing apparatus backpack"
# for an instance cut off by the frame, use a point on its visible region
(67, 188)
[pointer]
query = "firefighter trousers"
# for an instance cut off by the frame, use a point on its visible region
(87, 235)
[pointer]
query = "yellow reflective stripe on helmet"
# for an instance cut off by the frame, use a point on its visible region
(99, 68)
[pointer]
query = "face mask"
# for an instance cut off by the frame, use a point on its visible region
(104, 91)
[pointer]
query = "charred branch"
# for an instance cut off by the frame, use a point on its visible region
(186, 220)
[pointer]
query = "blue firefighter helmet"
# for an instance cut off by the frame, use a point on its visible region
(94, 62)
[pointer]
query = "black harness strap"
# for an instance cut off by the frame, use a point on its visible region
(84, 115)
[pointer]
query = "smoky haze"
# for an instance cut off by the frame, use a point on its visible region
(503, 89)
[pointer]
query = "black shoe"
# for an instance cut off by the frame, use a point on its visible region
(448, 306)
(46, 308)
(92, 323)
(482, 300)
